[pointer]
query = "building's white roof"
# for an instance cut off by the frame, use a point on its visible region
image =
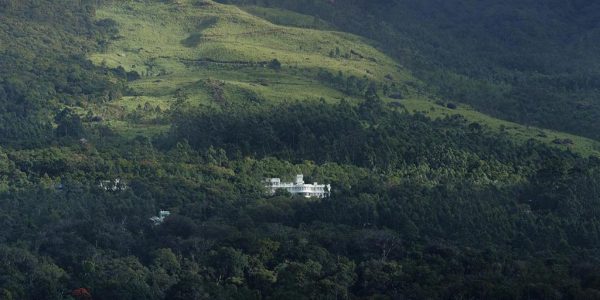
(299, 187)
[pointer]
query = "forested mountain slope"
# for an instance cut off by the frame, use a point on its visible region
(43, 66)
(190, 104)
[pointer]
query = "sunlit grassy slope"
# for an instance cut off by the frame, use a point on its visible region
(175, 46)
(209, 53)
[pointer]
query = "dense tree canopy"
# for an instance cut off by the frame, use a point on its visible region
(420, 208)
(43, 65)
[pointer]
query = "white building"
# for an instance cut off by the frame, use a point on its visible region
(157, 220)
(298, 187)
(113, 185)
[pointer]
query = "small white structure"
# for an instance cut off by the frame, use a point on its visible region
(113, 185)
(298, 187)
(157, 220)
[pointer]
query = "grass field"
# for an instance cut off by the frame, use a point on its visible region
(160, 39)
(286, 17)
(209, 54)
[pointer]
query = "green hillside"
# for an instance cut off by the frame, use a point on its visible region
(205, 53)
(136, 137)
(210, 53)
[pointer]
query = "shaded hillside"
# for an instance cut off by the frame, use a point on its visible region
(528, 61)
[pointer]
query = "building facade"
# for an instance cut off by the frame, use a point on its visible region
(298, 187)
(113, 185)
